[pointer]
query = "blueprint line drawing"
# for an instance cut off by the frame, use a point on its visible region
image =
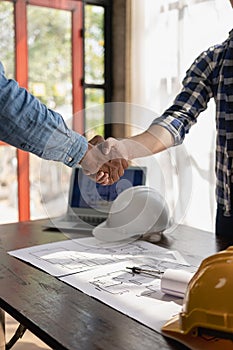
(121, 282)
(78, 255)
(135, 295)
(100, 271)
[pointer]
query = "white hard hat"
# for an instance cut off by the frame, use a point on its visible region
(136, 211)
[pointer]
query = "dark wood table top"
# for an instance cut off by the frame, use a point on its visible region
(65, 318)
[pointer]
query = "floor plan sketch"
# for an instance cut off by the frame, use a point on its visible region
(121, 282)
(78, 255)
(136, 295)
(101, 271)
(70, 260)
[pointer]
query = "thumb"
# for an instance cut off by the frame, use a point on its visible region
(108, 145)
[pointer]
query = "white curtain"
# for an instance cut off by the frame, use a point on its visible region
(166, 38)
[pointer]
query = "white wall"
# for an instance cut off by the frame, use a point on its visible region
(164, 44)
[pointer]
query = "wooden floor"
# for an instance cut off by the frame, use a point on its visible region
(27, 342)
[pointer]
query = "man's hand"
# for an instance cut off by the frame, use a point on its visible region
(115, 149)
(116, 164)
(100, 167)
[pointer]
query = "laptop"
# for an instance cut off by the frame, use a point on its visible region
(89, 202)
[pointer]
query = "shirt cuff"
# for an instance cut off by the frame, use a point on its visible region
(173, 125)
(66, 146)
(77, 150)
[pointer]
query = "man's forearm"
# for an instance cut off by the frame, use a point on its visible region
(153, 140)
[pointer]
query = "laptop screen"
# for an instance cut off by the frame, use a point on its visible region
(88, 194)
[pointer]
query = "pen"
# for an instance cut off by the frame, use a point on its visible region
(151, 272)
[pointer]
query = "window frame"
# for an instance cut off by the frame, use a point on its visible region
(21, 75)
(77, 8)
(108, 74)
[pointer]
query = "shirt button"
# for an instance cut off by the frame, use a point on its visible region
(70, 159)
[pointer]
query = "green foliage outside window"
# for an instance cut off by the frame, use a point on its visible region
(94, 44)
(7, 37)
(94, 69)
(49, 48)
(49, 42)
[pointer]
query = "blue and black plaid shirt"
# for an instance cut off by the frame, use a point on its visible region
(210, 75)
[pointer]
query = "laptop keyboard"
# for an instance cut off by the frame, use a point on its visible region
(92, 219)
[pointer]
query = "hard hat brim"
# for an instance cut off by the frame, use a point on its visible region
(172, 330)
(113, 234)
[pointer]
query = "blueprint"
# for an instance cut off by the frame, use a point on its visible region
(138, 296)
(100, 270)
(78, 255)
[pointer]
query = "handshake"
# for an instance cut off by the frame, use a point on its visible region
(105, 160)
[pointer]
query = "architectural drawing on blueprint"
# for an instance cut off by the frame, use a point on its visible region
(100, 271)
(138, 296)
(72, 260)
(78, 255)
(121, 282)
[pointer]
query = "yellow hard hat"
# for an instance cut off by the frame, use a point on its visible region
(206, 319)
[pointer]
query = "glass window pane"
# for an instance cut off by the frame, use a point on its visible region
(8, 165)
(49, 43)
(94, 112)
(94, 44)
(50, 79)
(8, 185)
(7, 37)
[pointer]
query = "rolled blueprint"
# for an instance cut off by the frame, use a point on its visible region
(174, 282)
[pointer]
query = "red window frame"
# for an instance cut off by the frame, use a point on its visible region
(21, 75)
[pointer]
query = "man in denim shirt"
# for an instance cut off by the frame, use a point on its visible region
(29, 125)
(210, 75)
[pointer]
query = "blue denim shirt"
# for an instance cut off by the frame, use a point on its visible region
(28, 124)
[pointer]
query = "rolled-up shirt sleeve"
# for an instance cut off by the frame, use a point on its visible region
(173, 125)
(192, 100)
(28, 124)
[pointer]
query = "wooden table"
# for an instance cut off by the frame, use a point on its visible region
(64, 317)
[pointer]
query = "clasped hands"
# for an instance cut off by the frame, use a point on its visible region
(105, 160)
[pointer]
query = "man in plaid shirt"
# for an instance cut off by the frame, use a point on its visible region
(210, 75)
